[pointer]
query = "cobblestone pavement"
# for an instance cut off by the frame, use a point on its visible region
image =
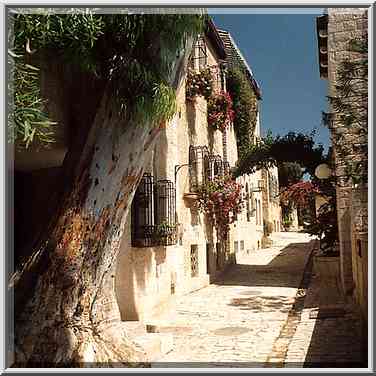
(240, 317)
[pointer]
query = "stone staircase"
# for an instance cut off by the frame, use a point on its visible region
(147, 337)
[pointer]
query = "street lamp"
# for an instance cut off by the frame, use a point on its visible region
(323, 171)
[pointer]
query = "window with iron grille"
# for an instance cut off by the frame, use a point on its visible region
(226, 168)
(223, 70)
(201, 53)
(199, 57)
(273, 188)
(194, 260)
(242, 245)
(197, 169)
(247, 202)
(214, 166)
(153, 213)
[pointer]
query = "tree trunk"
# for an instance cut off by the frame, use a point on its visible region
(71, 316)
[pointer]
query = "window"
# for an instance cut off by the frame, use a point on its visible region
(273, 188)
(223, 69)
(199, 57)
(247, 202)
(260, 212)
(242, 245)
(236, 247)
(194, 260)
(214, 166)
(153, 213)
(198, 156)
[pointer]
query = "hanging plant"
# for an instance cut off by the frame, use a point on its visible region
(220, 112)
(199, 84)
(221, 199)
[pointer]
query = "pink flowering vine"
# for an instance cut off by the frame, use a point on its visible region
(220, 112)
(221, 199)
(299, 193)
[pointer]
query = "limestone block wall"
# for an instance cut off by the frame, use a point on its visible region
(148, 279)
(359, 245)
(344, 24)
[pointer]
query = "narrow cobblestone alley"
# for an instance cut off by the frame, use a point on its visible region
(248, 318)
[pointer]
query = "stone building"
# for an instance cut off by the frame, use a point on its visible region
(335, 31)
(151, 269)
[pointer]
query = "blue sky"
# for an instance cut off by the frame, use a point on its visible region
(281, 51)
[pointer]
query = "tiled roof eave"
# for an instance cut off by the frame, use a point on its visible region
(235, 57)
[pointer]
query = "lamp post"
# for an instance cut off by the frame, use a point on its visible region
(323, 171)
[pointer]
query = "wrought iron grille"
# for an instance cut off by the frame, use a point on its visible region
(165, 199)
(199, 54)
(194, 260)
(226, 168)
(153, 213)
(247, 202)
(214, 166)
(273, 188)
(197, 169)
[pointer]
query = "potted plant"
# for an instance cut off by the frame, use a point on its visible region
(163, 232)
(287, 222)
(199, 84)
(325, 227)
(220, 112)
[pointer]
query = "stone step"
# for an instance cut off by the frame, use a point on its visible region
(155, 344)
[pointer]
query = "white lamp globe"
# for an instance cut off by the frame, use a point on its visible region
(323, 171)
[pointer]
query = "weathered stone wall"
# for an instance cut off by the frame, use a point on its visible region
(345, 24)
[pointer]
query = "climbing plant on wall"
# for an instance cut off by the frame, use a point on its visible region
(220, 112)
(221, 199)
(245, 108)
(120, 49)
(348, 120)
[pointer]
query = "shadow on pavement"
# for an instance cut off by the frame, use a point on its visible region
(285, 270)
(336, 343)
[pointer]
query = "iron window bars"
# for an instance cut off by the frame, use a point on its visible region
(198, 158)
(199, 54)
(214, 166)
(273, 188)
(153, 213)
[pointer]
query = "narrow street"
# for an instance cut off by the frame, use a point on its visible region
(255, 316)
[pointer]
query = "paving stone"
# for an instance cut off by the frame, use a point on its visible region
(248, 316)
